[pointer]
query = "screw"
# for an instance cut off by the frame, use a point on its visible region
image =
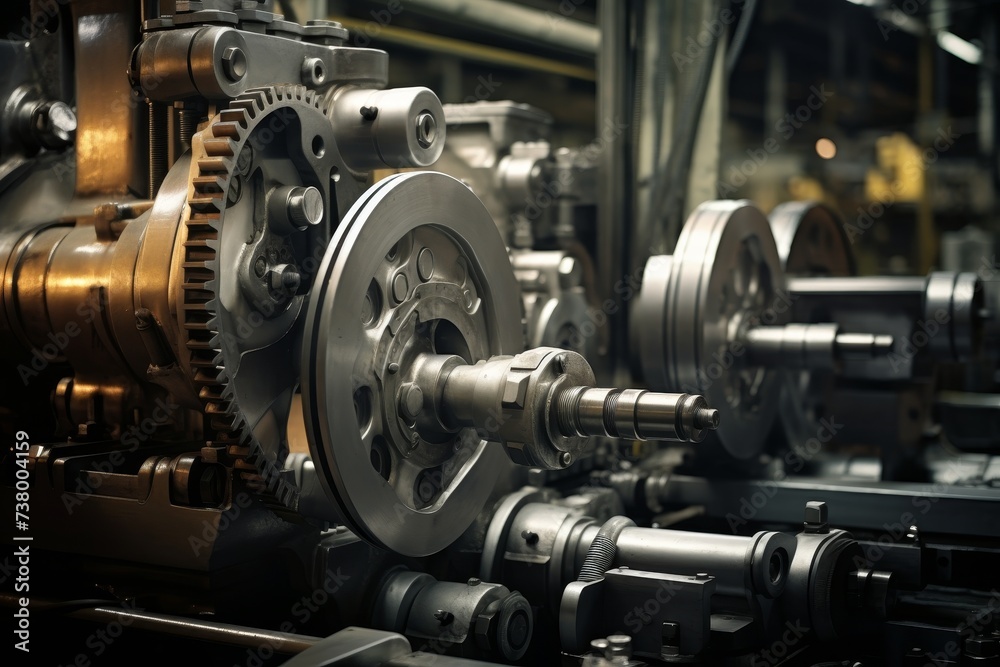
(529, 536)
(426, 129)
(285, 278)
(369, 113)
(444, 617)
(473, 581)
(234, 63)
(305, 207)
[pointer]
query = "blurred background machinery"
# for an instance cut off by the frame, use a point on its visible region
(581, 333)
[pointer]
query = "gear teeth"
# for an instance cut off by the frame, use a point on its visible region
(220, 144)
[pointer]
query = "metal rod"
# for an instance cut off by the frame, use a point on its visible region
(223, 633)
(476, 52)
(506, 18)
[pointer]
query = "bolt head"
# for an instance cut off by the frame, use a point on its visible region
(305, 207)
(411, 400)
(234, 63)
(816, 512)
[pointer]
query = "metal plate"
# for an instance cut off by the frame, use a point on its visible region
(381, 303)
(725, 276)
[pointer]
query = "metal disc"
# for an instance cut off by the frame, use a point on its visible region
(416, 266)
(811, 242)
(725, 276)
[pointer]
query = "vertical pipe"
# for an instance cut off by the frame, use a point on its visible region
(614, 205)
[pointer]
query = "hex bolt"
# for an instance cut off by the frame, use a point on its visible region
(411, 400)
(305, 207)
(234, 63)
(369, 113)
(599, 646)
(426, 128)
(260, 267)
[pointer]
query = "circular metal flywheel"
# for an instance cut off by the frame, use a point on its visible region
(723, 278)
(417, 268)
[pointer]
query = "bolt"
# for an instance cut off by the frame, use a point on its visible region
(702, 576)
(393, 367)
(235, 190)
(426, 129)
(305, 207)
(285, 278)
(260, 267)
(913, 535)
(444, 617)
(529, 536)
(816, 513)
(369, 113)
(234, 63)
(55, 124)
(565, 458)
(473, 581)
(411, 400)
(706, 418)
(245, 160)
(414, 440)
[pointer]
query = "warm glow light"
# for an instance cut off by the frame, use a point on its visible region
(825, 148)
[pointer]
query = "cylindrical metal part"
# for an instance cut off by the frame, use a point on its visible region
(635, 414)
(402, 127)
(757, 564)
(862, 345)
(810, 346)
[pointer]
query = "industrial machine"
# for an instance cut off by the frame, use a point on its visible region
(299, 368)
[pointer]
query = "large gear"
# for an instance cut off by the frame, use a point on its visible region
(268, 138)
